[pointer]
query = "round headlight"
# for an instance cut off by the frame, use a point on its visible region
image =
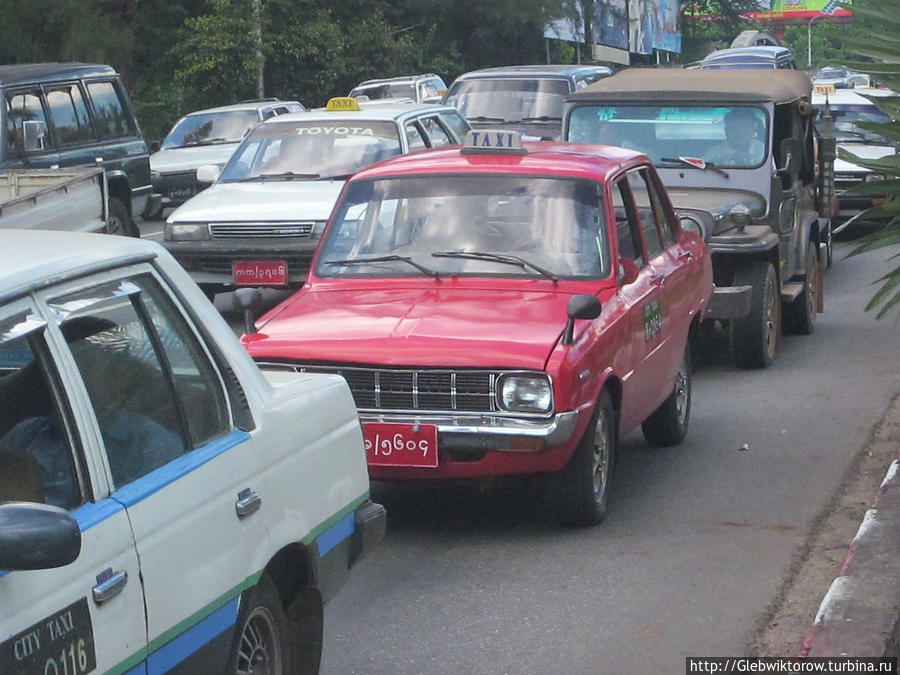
(526, 393)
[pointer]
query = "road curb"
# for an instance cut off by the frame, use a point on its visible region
(860, 613)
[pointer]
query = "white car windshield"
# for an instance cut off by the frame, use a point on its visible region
(210, 128)
(386, 90)
(468, 225)
(723, 136)
(507, 99)
(310, 150)
(846, 124)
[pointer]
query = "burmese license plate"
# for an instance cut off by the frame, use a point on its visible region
(400, 444)
(259, 272)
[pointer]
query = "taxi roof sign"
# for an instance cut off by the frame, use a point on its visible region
(493, 141)
(823, 89)
(342, 103)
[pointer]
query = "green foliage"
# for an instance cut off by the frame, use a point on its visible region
(882, 45)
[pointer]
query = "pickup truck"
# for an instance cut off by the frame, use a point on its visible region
(54, 199)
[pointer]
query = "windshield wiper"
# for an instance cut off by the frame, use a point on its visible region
(504, 258)
(206, 141)
(386, 258)
(542, 118)
(695, 163)
(337, 176)
(285, 175)
(482, 118)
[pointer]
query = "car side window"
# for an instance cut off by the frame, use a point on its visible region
(21, 106)
(69, 115)
(154, 394)
(625, 213)
(435, 132)
(414, 137)
(456, 124)
(109, 111)
(37, 462)
(649, 216)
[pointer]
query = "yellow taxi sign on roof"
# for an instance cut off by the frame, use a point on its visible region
(342, 103)
(493, 141)
(823, 88)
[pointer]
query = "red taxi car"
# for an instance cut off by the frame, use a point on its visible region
(502, 308)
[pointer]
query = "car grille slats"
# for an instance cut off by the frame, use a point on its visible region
(261, 230)
(415, 390)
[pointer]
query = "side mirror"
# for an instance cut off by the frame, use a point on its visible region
(208, 174)
(247, 301)
(37, 536)
(791, 154)
(628, 271)
(34, 134)
(580, 307)
(155, 146)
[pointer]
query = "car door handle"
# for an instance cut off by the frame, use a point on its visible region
(685, 255)
(109, 585)
(247, 502)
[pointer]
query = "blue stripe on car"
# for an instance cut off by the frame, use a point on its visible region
(193, 639)
(335, 534)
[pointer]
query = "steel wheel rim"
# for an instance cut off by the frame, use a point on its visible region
(259, 652)
(770, 317)
(601, 455)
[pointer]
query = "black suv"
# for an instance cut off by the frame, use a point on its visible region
(76, 114)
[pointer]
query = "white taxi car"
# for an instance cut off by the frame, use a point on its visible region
(164, 507)
(259, 224)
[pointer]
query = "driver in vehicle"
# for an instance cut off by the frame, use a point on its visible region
(742, 147)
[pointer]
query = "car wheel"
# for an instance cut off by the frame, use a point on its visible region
(669, 422)
(119, 221)
(582, 488)
(802, 318)
(261, 642)
(755, 336)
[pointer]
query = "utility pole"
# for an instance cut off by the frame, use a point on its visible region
(258, 52)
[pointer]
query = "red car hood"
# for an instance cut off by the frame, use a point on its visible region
(434, 326)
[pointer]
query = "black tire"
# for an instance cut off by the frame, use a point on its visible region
(262, 638)
(755, 336)
(581, 490)
(801, 319)
(668, 424)
(119, 221)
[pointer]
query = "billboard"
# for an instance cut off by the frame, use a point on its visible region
(796, 11)
(667, 26)
(611, 23)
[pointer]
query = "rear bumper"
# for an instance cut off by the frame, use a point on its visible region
(370, 522)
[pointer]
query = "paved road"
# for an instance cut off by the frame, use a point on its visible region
(696, 543)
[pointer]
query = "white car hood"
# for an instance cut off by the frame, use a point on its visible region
(261, 201)
(863, 151)
(184, 159)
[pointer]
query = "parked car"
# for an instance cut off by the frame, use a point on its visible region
(260, 222)
(849, 108)
(424, 88)
(77, 114)
(205, 137)
(839, 78)
(497, 310)
(164, 505)
(740, 146)
(525, 98)
(760, 56)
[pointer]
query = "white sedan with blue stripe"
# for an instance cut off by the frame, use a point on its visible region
(164, 506)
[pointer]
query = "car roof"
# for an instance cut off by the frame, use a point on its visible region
(549, 70)
(23, 73)
(369, 113)
(851, 96)
(646, 85)
(758, 51)
(243, 105)
(550, 158)
(399, 78)
(33, 258)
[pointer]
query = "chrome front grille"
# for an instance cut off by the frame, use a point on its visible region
(262, 230)
(414, 390)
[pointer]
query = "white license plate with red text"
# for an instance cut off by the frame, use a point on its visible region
(400, 444)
